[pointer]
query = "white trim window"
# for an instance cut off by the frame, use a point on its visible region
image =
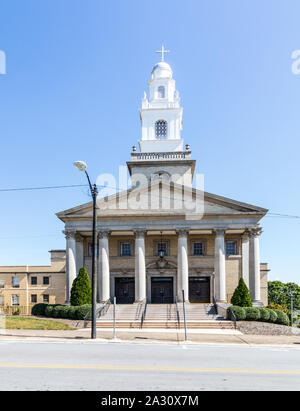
(15, 281)
(15, 299)
(2, 282)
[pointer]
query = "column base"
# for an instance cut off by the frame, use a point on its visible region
(257, 304)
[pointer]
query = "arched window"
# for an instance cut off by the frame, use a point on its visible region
(161, 92)
(161, 129)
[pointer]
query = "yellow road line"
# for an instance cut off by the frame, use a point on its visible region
(145, 368)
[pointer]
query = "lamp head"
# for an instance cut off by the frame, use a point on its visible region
(80, 165)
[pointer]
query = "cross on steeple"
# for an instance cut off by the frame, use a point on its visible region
(163, 51)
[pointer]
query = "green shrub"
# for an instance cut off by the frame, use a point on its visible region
(241, 296)
(252, 314)
(38, 309)
(81, 291)
(84, 312)
(57, 311)
(64, 311)
(273, 316)
(49, 310)
(282, 308)
(72, 312)
(282, 318)
(264, 314)
(239, 312)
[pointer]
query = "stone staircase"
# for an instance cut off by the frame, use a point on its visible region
(164, 316)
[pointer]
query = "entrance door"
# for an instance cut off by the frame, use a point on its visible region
(124, 290)
(162, 290)
(199, 289)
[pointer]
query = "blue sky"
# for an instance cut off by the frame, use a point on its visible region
(76, 73)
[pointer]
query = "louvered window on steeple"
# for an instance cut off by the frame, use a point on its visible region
(161, 128)
(161, 92)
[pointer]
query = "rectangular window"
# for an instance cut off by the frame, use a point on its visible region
(46, 281)
(197, 248)
(1, 282)
(1, 300)
(33, 280)
(230, 248)
(45, 298)
(162, 249)
(15, 282)
(15, 299)
(125, 249)
(33, 298)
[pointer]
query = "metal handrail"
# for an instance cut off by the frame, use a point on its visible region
(233, 318)
(144, 314)
(177, 312)
(99, 312)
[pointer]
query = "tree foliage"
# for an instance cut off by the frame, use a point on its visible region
(81, 291)
(278, 293)
(241, 296)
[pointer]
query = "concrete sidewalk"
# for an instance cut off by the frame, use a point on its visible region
(154, 336)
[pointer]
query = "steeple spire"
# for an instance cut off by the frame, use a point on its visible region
(163, 51)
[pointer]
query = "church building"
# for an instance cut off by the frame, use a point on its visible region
(165, 252)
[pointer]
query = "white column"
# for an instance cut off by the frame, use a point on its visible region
(79, 253)
(182, 266)
(220, 271)
(254, 266)
(70, 262)
(245, 257)
(140, 266)
(103, 271)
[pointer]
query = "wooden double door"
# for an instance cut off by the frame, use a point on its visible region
(199, 289)
(124, 290)
(162, 290)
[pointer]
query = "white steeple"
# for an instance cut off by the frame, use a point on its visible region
(161, 114)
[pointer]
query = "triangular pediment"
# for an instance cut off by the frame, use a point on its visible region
(160, 199)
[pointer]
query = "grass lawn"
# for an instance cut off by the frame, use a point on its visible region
(24, 323)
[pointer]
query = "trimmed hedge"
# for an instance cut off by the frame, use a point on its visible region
(239, 312)
(258, 314)
(282, 318)
(273, 316)
(63, 311)
(84, 312)
(38, 309)
(252, 314)
(264, 314)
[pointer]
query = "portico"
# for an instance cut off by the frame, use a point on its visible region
(136, 277)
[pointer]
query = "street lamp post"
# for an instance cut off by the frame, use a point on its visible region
(81, 165)
(291, 295)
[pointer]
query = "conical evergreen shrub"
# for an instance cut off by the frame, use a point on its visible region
(81, 291)
(241, 296)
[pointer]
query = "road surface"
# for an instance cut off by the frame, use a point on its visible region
(34, 365)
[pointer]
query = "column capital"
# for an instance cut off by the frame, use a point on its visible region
(255, 232)
(245, 235)
(69, 234)
(182, 232)
(140, 233)
(219, 232)
(103, 234)
(78, 237)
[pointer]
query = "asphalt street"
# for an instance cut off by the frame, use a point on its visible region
(31, 365)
